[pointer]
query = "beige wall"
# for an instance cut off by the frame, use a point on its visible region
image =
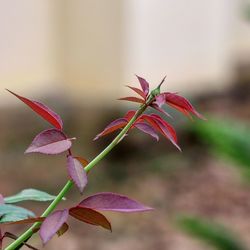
(89, 49)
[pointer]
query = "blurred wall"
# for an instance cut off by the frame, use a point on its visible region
(89, 49)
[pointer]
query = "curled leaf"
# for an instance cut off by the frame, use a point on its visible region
(63, 229)
(77, 172)
(90, 216)
(42, 110)
(52, 224)
(113, 202)
(51, 141)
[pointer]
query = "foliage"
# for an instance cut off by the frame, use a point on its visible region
(227, 139)
(54, 141)
(211, 233)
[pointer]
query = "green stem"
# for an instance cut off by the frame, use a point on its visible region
(27, 234)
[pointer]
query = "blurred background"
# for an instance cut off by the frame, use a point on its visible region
(76, 56)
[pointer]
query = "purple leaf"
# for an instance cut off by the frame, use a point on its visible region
(144, 84)
(51, 141)
(77, 173)
(52, 224)
(1, 200)
(113, 202)
(42, 110)
(147, 129)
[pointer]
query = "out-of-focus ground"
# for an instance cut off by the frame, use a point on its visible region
(193, 182)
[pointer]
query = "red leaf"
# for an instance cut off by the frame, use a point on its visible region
(90, 216)
(42, 110)
(132, 99)
(77, 173)
(113, 202)
(138, 91)
(113, 126)
(63, 229)
(163, 127)
(144, 127)
(144, 84)
(182, 104)
(52, 224)
(167, 129)
(51, 141)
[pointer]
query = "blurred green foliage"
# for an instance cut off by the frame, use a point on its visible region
(211, 233)
(228, 139)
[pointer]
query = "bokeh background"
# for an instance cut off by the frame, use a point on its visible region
(76, 56)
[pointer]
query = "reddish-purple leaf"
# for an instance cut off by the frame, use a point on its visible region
(90, 216)
(163, 127)
(113, 126)
(63, 229)
(1, 200)
(42, 110)
(77, 173)
(182, 104)
(144, 127)
(51, 141)
(132, 99)
(138, 91)
(144, 84)
(167, 130)
(113, 202)
(52, 224)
